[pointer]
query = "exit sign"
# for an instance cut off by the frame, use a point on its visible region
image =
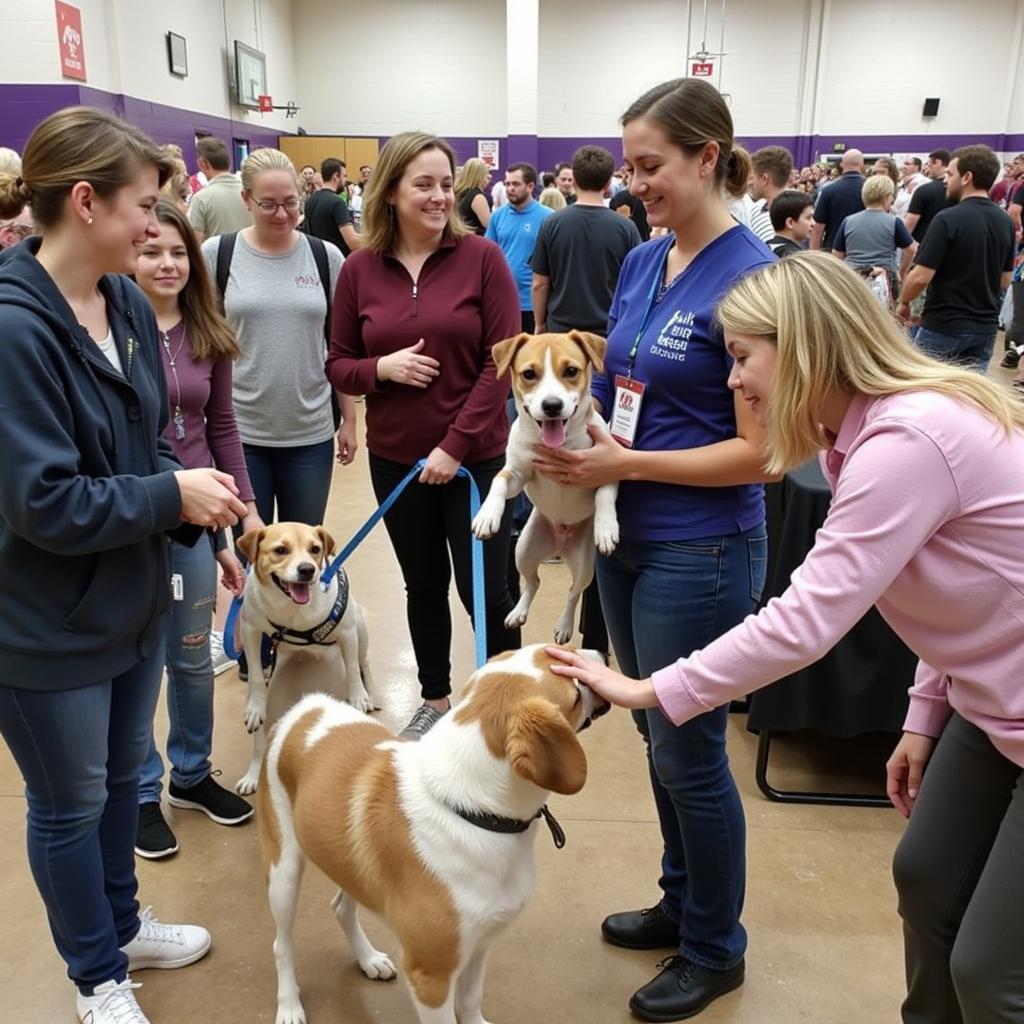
(702, 69)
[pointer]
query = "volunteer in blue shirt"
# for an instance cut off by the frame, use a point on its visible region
(691, 560)
(515, 227)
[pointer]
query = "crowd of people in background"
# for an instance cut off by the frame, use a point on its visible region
(220, 327)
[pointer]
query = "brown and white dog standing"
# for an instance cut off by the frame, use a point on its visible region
(284, 591)
(389, 822)
(551, 385)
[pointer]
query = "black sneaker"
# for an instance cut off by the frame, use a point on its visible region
(682, 990)
(650, 928)
(154, 838)
(1011, 360)
(216, 802)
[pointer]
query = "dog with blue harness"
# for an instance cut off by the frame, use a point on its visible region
(317, 630)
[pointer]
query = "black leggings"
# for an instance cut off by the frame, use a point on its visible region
(426, 523)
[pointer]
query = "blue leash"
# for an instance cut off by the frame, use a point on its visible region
(479, 614)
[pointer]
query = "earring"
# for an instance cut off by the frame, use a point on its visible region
(89, 221)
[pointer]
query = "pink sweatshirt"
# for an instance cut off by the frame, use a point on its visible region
(925, 522)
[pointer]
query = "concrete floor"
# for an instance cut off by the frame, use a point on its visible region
(825, 943)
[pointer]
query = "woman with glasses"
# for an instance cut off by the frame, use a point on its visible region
(274, 302)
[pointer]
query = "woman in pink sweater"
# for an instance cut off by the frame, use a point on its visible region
(926, 464)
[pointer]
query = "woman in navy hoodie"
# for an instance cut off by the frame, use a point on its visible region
(89, 493)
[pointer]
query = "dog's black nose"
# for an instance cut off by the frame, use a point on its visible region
(552, 407)
(306, 571)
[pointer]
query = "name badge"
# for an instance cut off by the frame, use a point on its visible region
(629, 396)
(177, 586)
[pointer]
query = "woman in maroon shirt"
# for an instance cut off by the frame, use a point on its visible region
(197, 348)
(414, 318)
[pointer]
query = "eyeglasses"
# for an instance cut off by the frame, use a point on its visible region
(269, 206)
(21, 231)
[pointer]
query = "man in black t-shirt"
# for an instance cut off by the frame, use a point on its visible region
(626, 205)
(579, 251)
(327, 214)
(965, 262)
(929, 199)
(838, 200)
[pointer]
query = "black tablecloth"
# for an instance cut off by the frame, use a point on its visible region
(861, 685)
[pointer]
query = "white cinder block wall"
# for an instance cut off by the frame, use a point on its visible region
(384, 66)
(126, 50)
(794, 67)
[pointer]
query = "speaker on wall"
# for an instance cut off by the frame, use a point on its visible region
(931, 108)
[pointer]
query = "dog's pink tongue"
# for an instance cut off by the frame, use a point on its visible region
(552, 433)
(299, 592)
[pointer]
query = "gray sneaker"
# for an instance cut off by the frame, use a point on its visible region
(422, 722)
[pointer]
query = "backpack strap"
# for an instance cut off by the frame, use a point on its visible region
(323, 268)
(225, 250)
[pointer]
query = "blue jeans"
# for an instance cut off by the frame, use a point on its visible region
(973, 350)
(189, 675)
(663, 600)
(79, 752)
(296, 480)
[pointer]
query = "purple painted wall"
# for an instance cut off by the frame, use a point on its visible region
(22, 107)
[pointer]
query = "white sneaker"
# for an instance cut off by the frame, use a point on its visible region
(219, 657)
(111, 1003)
(165, 946)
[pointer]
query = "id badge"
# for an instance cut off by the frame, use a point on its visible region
(177, 586)
(629, 396)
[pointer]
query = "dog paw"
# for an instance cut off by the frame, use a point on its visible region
(515, 619)
(290, 1012)
(606, 533)
(563, 632)
(487, 521)
(378, 966)
(255, 713)
(360, 700)
(246, 785)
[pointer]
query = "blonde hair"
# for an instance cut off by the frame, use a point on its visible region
(877, 188)
(266, 159)
(77, 144)
(10, 162)
(473, 174)
(833, 335)
(553, 198)
(380, 222)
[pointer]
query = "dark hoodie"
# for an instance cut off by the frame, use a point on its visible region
(87, 491)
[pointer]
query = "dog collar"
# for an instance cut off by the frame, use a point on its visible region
(496, 823)
(318, 634)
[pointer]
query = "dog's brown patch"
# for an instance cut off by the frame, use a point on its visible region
(530, 723)
(349, 821)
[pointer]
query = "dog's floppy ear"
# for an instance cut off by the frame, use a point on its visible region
(249, 545)
(542, 747)
(593, 345)
(326, 540)
(503, 352)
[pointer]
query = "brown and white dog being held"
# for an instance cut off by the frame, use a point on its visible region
(436, 836)
(551, 385)
(284, 596)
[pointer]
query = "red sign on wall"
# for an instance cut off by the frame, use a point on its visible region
(71, 42)
(266, 104)
(702, 69)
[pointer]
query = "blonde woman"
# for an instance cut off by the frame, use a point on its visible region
(552, 198)
(869, 240)
(470, 199)
(276, 305)
(416, 313)
(926, 463)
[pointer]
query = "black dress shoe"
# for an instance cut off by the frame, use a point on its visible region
(641, 929)
(683, 989)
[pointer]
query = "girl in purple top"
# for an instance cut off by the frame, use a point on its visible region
(692, 556)
(926, 463)
(197, 348)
